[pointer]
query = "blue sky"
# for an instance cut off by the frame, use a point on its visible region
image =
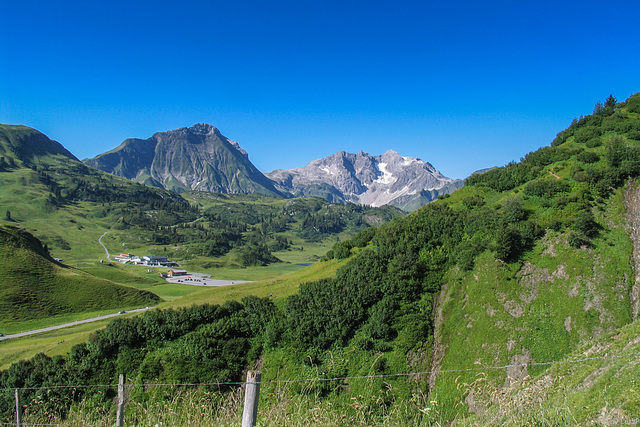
(462, 84)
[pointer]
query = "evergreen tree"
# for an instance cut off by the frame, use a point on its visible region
(599, 108)
(610, 102)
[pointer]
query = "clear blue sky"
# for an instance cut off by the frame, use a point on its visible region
(462, 84)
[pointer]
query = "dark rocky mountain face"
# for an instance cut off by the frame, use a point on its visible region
(194, 158)
(404, 182)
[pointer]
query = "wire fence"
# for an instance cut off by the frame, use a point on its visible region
(243, 384)
(346, 378)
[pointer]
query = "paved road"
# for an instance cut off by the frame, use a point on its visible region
(66, 325)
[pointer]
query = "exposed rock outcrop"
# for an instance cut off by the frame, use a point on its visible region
(404, 182)
(194, 158)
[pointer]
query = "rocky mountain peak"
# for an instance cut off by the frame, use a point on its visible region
(406, 182)
(189, 158)
(197, 129)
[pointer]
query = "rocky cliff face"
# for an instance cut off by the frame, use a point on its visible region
(194, 158)
(405, 182)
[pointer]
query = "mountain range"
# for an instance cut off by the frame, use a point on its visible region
(201, 158)
(404, 182)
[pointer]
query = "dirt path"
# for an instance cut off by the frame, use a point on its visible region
(104, 247)
(439, 347)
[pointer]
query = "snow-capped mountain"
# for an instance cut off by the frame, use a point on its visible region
(404, 182)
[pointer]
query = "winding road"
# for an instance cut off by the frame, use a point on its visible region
(193, 279)
(104, 247)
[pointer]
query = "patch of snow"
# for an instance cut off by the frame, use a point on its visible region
(406, 161)
(328, 170)
(387, 177)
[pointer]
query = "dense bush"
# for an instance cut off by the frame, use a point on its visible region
(197, 344)
(588, 157)
(546, 188)
(586, 133)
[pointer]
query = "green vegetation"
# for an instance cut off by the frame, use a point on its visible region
(36, 287)
(60, 342)
(47, 192)
(526, 266)
(600, 388)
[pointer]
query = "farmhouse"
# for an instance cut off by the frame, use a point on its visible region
(174, 273)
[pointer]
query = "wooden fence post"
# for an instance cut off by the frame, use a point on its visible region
(18, 409)
(251, 396)
(120, 411)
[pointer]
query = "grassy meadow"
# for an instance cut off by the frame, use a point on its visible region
(60, 341)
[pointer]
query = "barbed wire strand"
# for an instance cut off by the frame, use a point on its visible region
(517, 365)
(405, 374)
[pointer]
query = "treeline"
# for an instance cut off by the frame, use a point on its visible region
(200, 344)
(131, 201)
(256, 229)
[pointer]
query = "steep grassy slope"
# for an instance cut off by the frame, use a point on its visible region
(33, 286)
(525, 264)
(595, 385)
(557, 275)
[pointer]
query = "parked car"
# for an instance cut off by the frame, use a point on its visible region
(121, 312)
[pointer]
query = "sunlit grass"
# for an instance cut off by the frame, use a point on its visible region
(51, 343)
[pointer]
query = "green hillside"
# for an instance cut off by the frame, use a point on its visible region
(69, 206)
(477, 308)
(594, 385)
(33, 286)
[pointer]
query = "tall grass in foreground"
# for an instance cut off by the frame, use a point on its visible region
(282, 405)
(278, 407)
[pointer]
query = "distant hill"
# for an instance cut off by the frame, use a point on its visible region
(33, 285)
(389, 179)
(22, 145)
(42, 183)
(195, 158)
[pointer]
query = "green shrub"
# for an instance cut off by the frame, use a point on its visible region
(587, 157)
(586, 133)
(546, 188)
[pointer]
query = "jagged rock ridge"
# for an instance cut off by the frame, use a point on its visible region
(194, 158)
(405, 182)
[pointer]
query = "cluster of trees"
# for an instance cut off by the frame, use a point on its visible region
(132, 202)
(200, 344)
(400, 268)
(529, 168)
